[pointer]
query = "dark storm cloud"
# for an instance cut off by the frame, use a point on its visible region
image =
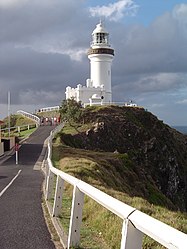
(28, 31)
(24, 69)
(28, 19)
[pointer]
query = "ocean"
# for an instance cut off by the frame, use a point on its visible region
(182, 129)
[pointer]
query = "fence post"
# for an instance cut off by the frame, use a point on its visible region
(76, 218)
(49, 185)
(131, 237)
(46, 173)
(58, 196)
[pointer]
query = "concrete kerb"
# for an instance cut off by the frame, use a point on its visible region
(63, 238)
(41, 160)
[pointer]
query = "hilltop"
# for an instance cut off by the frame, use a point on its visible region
(134, 157)
(17, 120)
(156, 152)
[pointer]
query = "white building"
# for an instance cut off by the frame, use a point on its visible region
(98, 88)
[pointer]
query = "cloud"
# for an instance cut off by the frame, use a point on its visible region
(39, 97)
(150, 59)
(137, 86)
(180, 14)
(115, 11)
(157, 105)
(25, 72)
(183, 101)
(11, 3)
(159, 82)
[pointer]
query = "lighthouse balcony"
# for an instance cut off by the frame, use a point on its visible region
(101, 51)
(99, 44)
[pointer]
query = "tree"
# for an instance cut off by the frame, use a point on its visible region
(71, 111)
(13, 119)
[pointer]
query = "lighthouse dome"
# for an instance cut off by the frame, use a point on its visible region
(100, 37)
(99, 29)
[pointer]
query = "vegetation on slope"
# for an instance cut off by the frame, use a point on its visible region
(17, 120)
(96, 154)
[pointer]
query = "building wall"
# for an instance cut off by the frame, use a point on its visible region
(12, 142)
(83, 93)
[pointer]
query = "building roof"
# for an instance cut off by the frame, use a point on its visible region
(1, 122)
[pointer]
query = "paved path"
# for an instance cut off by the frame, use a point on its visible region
(22, 225)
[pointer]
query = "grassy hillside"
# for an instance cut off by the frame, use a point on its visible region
(49, 114)
(22, 122)
(117, 174)
(17, 120)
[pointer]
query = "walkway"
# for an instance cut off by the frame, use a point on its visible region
(22, 225)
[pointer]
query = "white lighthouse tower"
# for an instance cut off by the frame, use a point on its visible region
(101, 56)
(98, 88)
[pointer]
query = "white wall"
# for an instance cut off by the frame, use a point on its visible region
(100, 71)
(83, 93)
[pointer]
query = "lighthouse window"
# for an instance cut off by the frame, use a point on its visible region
(106, 38)
(97, 38)
(102, 38)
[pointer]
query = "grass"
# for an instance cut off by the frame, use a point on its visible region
(20, 121)
(66, 207)
(48, 114)
(116, 175)
(22, 134)
(25, 133)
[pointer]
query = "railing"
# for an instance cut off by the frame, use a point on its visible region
(29, 115)
(102, 103)
(135, 223)
(18, 128)
(48, 109)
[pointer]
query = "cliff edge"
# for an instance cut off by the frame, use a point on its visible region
(155, 151)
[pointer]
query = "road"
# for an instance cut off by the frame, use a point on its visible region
(22, 224)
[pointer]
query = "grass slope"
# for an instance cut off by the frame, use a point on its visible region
(116, 175)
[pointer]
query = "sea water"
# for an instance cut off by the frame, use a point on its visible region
(182, 129)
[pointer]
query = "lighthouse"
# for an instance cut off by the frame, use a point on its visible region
(101, 55)
(98, 89)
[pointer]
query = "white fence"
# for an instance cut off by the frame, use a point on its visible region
(49, 109)
(102, 103)
(135, 223)
(29, 115)
(18, 128)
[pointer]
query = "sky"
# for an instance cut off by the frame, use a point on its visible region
(44, 44)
